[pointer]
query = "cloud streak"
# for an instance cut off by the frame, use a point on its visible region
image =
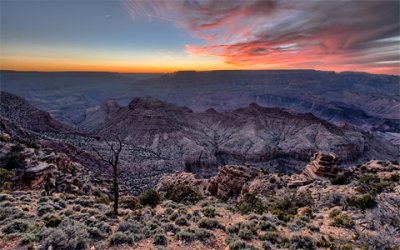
(328, 35)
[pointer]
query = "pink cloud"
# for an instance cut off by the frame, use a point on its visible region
(334, 35)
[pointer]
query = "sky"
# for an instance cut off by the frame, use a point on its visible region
(167, 36)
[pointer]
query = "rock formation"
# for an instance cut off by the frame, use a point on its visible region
(168, 182)
(321, 165)
(231, 180)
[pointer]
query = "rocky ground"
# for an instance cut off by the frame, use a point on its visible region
(324, 207)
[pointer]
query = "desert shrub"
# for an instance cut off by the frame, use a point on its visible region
(181, 222)
(273, 237)
(129, 202)
(347, 246)
(149, 198)
(265, 226)
(210, 224)
(28, 238)
(363, 202)
(250, 203)
(130, 226)
(186, 236)
(43, 209)
(395, 177)
(173, 216)
(234, 243)
(102, 199)
(371, 184)
(16, 226)
(66, 236)
(202, 234)
(14, 161)
(245, 234)
(334, 212)
(342, 220)
(120, 238)
(286, 207)
(301, 242)
(160, 239)
(95, 233)
(169, 204)
(169, 227)
(183, 194)
(84, 201)
(340, 180)
(209, 212)
(6, 213)
(6, 180)
(6, 197)
(52, 221)
(322, 242)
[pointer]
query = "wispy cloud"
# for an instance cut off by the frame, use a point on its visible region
(337, 35)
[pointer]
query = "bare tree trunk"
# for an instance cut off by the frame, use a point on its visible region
(112, 160)
(116, 190)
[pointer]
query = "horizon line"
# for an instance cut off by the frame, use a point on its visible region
(173, 72)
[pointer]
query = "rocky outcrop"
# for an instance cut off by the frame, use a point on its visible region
(321, 165)
(168, 182)
(231, 180)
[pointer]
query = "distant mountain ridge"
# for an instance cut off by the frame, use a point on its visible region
(255, 135)
(368, 101)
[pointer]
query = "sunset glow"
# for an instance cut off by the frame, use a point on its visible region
(167, 36)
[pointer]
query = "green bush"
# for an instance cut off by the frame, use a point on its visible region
(160, 239)
(149, 198)
(347, 246)
(209, 212)
(265, 226)
(6, 180)
(210, 224)
(286, 207)
(334, 212)
(186, 236)
(102, 200)
(245, 234)
(120, 238)
(363, 202)
(340, 180)
(28, 238)
(52, 221)
(250, 203)
(183, 194)
(95, 233)
(129, 202)
(371, 184)
(181, 222)
(274, 238)
(16, 226)
(235, 243)
(342, 220)
(169, 227)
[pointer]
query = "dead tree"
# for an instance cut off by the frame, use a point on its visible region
(115, 148)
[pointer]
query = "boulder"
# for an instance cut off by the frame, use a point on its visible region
(168, 182)
(231, 180)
